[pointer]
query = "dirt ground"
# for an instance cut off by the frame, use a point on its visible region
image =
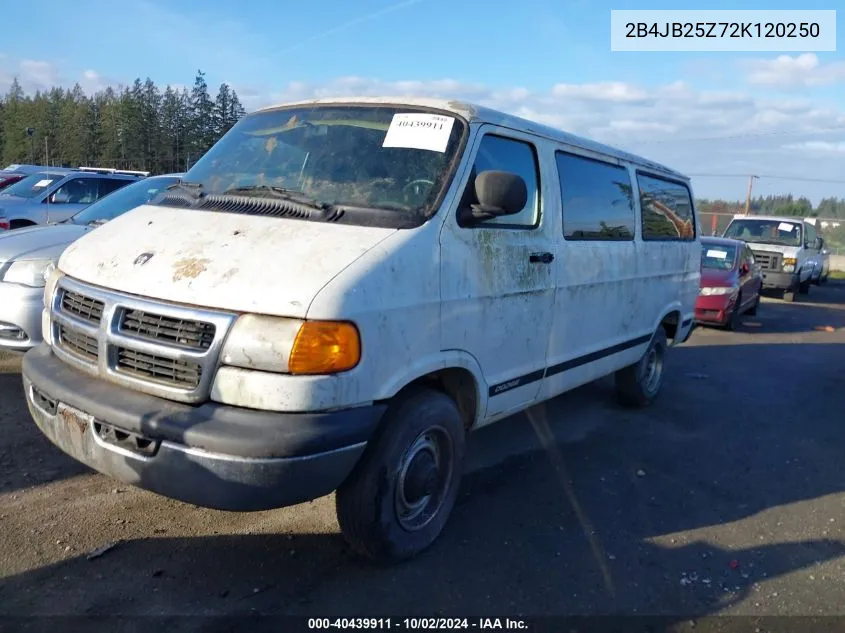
(726, 497)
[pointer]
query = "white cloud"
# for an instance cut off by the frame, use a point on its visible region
(614, 91)
(786, 71)
(817, 147)
(34, 75)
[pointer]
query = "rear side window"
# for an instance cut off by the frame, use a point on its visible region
(597, 199)
(107, 185)
(505, 154)
(667, 211)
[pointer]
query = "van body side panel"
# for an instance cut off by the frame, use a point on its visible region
(496, 302)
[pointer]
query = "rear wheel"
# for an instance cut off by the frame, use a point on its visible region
(399, 496)
(638, 385)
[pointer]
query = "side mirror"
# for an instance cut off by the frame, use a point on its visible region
(498, 193)
(744, 269)
(819, 243)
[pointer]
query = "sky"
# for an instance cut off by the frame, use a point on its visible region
(717, 117)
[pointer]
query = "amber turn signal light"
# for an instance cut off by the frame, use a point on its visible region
(325, 347)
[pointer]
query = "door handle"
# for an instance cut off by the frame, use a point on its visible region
(541, 258)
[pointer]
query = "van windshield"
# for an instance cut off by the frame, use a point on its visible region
(396, 159)
(782, 232)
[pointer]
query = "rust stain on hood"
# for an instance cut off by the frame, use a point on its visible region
(189, 268)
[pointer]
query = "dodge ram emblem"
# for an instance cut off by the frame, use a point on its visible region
(143, 258)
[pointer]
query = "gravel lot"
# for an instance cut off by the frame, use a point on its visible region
(726, 497)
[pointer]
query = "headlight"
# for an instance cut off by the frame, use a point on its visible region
(291, 345)
(718, 290)
(52, 276)
(789, 264)
(29, 273)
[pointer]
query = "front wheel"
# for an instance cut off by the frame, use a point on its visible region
(804, 286)
(399, 496)
(638, 385)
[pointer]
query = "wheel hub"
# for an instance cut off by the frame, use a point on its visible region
(421, 478)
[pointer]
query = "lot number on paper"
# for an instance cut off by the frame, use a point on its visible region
(419, 131)
(42, 183)
(717, 254)
(785, 226)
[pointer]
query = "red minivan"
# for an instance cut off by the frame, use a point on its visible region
(730, 282)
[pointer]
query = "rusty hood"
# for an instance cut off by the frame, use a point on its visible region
(262, 265)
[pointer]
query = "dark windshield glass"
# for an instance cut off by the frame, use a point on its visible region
(124, 199)
(717, 256)
(783, 232)
(367, 156)
(33, 185)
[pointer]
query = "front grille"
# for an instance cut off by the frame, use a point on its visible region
(156, 327)
(159, 348)
(168, 371)
(77, 343)
(83, 307)
(768, 260)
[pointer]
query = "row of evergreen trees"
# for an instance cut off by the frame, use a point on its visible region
(130, 127)
(778, 205)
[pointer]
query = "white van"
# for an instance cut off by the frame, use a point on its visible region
(788, 250)
(340, 290)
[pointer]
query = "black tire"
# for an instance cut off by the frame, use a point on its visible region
(636, 386)
(734, 321)
(804, 286)
(752, 311)
(369, 503)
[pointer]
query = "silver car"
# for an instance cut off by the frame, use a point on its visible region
(28, 255)
(54, 195)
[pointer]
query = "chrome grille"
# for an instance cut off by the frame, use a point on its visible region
(158, 368)
(156, 327)
(79, 305)
(159, 348)
(767, 260)
(78, 343)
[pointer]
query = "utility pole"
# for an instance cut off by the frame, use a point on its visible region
(46, 152)
(748, 195)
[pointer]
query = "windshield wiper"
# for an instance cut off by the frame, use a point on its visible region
(193, 189)
(279, 193)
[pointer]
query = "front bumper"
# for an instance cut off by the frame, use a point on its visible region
(714, 309)
(20, 316)
(211, 455)
(779, 281)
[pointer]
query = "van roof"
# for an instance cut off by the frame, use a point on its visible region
(474, 113)
(770, 218)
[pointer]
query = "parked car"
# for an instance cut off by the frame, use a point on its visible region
(787, 250)
(339, 290)
(8, 178)
(731, 282)
(53, 195)
(28, 255)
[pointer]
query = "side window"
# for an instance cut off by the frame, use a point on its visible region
(809, 234)
(518, 157)
(76, 191)
(667, 209)
(597, 199)
(107, 185)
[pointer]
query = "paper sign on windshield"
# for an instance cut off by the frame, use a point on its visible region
(717, 254)
(419, 131)
(42, 183)
(786, 226)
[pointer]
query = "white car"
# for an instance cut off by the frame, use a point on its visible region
(340, 290)
(787, 249)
